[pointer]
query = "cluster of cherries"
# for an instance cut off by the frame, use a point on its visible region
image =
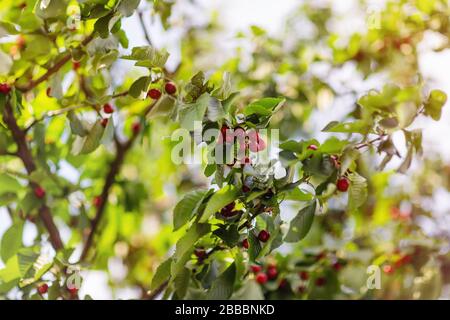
(263, 236)
(43, 289)
(229, 212)
(398, 263)
(169, 88)
(271, 273)
(248, 140)
(342, 183)
(108, 109)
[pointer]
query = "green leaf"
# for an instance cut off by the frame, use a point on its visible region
(11, 271)
(163, 107)
(219, 200)
(187, 207)
(333, 145)
(181, 282)
(11, 241)
(8, 184)
(301, 224)
(39, 267)
(193, 112)
(264, 106)
(140, 87)
(26, 258)
(76, 125)
(7, 28)
(229, 235)
(224, 91)
(254, 246)
(89, 143)
(5, 64)
(292, 145)
(162, 274)
(357, 193)
(358, 126)
(127, 7)
(186, 243)
(222, 288)
(105, 24)
(147, 56)
(433, 106)
(249, 291)
(46, 9)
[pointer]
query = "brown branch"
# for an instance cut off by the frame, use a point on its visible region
(366, 144)
(120, 94)
(157, 291)
(114, 170)
(52, 70)
(144, 29)
(24, 153)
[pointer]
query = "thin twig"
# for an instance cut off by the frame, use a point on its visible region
(152, 295)
(366, 144)
(144, 29)
(51, 114)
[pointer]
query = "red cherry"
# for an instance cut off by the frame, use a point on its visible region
(256, 143)
(43, 288)
(312, 147)
(104, 122)
(39, 192)
(337, 266)
(76, 65)
(5, 88)
(321, 255)
(230, 206)
(136, 127)
(283, 284)
(226, 135)
(20, 41)
(200, 253)
(272, 273)
(255, 268)
(321, 281)
(245, 189)
(107, 108)
(155, 94)
(301, 289)
(245, 161)
(263, 236)
(261, 278)
(170, 88)
(304, 275)
(97, 201)
(73, 291)
(343, 184)
(388, 269)
(245, 243)
(403, 260)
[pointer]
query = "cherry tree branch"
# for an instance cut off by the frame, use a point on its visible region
(24, 153)
(144, 28)
(110, 179)
(55, 68)
(115, 166)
